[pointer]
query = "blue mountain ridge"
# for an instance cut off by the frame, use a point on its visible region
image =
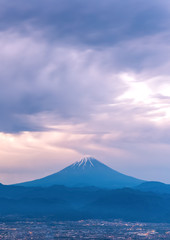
(84, 173)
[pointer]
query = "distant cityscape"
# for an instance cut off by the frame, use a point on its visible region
(17, 228)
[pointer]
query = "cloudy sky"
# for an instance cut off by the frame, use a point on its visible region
(88, 77)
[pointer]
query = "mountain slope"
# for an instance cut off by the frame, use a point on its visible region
(65, 203)
(157, 187)
(87, 172)
(130, 205)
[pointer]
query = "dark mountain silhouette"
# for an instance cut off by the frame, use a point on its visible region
(87, 172)
(64, 203)
(129, 204)
(157, 187)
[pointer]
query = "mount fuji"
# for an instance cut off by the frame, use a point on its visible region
(85, 173)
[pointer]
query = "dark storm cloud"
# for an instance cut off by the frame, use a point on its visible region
(62, 58)
(91, 22)
(37, 79)
(132, 27)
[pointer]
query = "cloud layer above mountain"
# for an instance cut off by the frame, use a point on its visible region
(84, 77)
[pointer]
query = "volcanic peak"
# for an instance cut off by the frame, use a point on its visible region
(85, 162)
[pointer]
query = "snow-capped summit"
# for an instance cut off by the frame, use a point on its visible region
(85, 162)
(87, 172)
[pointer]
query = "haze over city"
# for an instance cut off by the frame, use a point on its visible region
(84, 78)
